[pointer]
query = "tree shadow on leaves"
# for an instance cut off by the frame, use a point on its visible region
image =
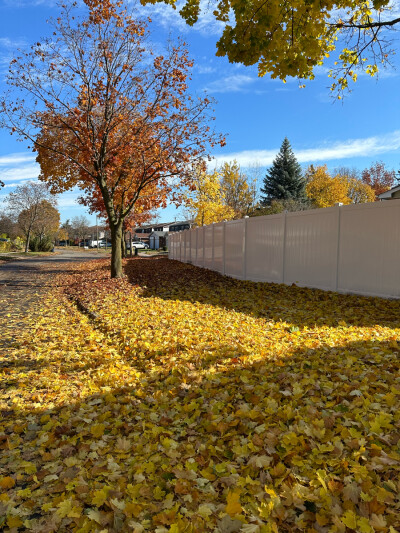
(298, 306)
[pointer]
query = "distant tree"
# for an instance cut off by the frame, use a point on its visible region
(379, 178)
(8, 227)
(207, 200)
(323, 189)
(284, 180)
(357, 191)
(239, 193)
(62, 235)
(346, 172)
(80, 227)
(48, 221)
(28, 199)
(67, 228)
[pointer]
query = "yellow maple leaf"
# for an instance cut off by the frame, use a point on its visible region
(100, 496)
(97, 430)
(349, 519)
(7, 483)
(233, 506)
(14, 521)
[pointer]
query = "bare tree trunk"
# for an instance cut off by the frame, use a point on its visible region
(116, 255)
(28, 238)
(123, 246)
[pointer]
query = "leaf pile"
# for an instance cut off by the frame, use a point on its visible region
(179, 400)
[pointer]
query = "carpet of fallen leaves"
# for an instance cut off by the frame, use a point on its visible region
(179, 400)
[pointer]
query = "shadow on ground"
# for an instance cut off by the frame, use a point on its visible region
(173, 280)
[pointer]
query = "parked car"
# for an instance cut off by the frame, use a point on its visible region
(137, 244)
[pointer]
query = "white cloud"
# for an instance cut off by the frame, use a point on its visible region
(168, 17)
(14, 159)
(204, 69)
(326, 151)
(20, 173)
(235, 83)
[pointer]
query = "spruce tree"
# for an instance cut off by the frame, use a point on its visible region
(284, 180)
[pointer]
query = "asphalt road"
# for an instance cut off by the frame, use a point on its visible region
(23, 281)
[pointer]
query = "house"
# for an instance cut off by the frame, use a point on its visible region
(391, 194)
(156, 235)
(158, 239)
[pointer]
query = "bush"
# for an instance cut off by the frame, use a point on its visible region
(44, 245)
(5, 246)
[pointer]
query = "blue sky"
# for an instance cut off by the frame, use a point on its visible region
(255, 113)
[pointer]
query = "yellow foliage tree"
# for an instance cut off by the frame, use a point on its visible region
(207, 201)
(357, 191)
(239, 193)
(324, 190)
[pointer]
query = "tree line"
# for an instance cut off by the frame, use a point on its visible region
(229, 193)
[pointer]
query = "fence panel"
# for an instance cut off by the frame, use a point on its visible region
(354, 248)
(208, 246)
(218, 263)
(200, 247)
(193, 246)
(186, 245)
(369, 252)
(311, 246)
(234, 248)
(170, 247)
(264, 248)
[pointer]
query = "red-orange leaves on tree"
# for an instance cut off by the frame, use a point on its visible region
(106, 115)
(379, 178)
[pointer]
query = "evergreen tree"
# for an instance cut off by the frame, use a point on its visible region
(284, 180)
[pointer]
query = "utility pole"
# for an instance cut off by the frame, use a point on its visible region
(97, 234)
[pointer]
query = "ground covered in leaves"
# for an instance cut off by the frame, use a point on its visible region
(179, 400)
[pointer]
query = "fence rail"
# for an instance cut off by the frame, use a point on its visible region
(352, 248)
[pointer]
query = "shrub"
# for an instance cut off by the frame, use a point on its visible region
(41, 245)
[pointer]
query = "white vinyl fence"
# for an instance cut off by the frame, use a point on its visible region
(352, 248)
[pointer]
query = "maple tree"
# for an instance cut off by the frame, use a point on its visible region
(113, 118)
(217, 405)
(379, 178)
(292, 39)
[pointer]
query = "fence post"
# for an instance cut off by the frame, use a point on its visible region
(337, 249)
(245, 247)
(223, 247)
(284, 246)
